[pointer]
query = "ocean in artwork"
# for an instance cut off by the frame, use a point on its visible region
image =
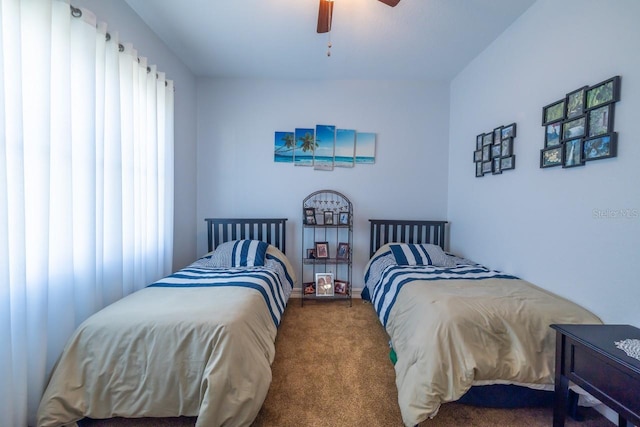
(325, 144)
(365, 147)
(284, 144)
(305, 147)
(345, 148)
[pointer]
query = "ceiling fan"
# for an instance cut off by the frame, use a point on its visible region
(325, 13)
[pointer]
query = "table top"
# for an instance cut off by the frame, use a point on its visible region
(602, 339)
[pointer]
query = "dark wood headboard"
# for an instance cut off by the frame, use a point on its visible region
(405, 231)
(270, 230)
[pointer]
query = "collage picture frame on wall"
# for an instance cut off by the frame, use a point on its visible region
(580, 127)
(494, 151)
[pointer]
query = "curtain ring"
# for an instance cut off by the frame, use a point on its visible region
(148, 70)
(75, 12)
(120, 47)
(108, 36)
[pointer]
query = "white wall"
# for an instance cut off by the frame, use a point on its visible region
(542, 224)
(120, 18)
(238, 177)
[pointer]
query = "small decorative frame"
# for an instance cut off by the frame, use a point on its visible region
(479, 172)
(495, 150)
(574, 128)
(479, 140)
(309, 288)
(575, 102)
(487, 139)
(477, 156)
(509, 131)
(496, 166)
(340, 287)
(601, 120)
(486, 167)
(486, 153)
(600, 147)
(551, 156)
(507, 163)
(343, 251)
(497, 135)
(605, 92)
(322, 250)
(553, 112)
(311, 253)
(343, 218)
(324, 285)
(328, 218)
(310, 216)
(572, 153)
(552, 135)
(506, 147)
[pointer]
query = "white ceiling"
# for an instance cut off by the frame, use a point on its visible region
(418, 39)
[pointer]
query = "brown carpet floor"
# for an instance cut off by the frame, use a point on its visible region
(332, 369)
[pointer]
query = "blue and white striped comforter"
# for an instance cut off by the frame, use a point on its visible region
(270, 281)
(394, 277)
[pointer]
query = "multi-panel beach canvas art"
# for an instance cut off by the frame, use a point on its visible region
(324, 147)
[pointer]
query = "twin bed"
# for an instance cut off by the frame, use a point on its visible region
(457, 329)
(199, 342)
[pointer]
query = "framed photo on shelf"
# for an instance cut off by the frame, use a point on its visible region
(340, 287)
(311, 253)
(575, 102)
(328, 218)
(600, 147)
(343, 251)
(309, 288)
(343, 218)
(551, 156)
(324, 284)
(322, 250)
(553, 112)
(572, 153)
(310, 216)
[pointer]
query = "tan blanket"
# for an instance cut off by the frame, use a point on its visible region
(165, 352)
(451, 334)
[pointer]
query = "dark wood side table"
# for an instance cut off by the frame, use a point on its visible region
(587, 356)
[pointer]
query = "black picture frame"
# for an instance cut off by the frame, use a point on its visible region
(553, 112)
(600, 120)
(477, 156)
(552, 134)
(495, 167)
(487, 167)
(507, 163)
(600, 147)
(479, 139)
(309, 216)
(497, 135)
(486, 153)
(495, 151)
(311, 254)
(508, 131)
(479, 172)
(572, 153)
(343, 218)
(575, 103)
(328, 218)
(506, 147)
(341, 287)
(343, 251)
(487, 139)
(574, 128)
(321, 250)
(551, 156)
(605, 92)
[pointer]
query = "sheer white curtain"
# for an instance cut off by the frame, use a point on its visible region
(86, 185)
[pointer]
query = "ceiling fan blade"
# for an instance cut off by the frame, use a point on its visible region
(325, 13)
(391, 3)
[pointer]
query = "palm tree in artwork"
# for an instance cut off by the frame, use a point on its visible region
(308, 143)
(289, 143)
